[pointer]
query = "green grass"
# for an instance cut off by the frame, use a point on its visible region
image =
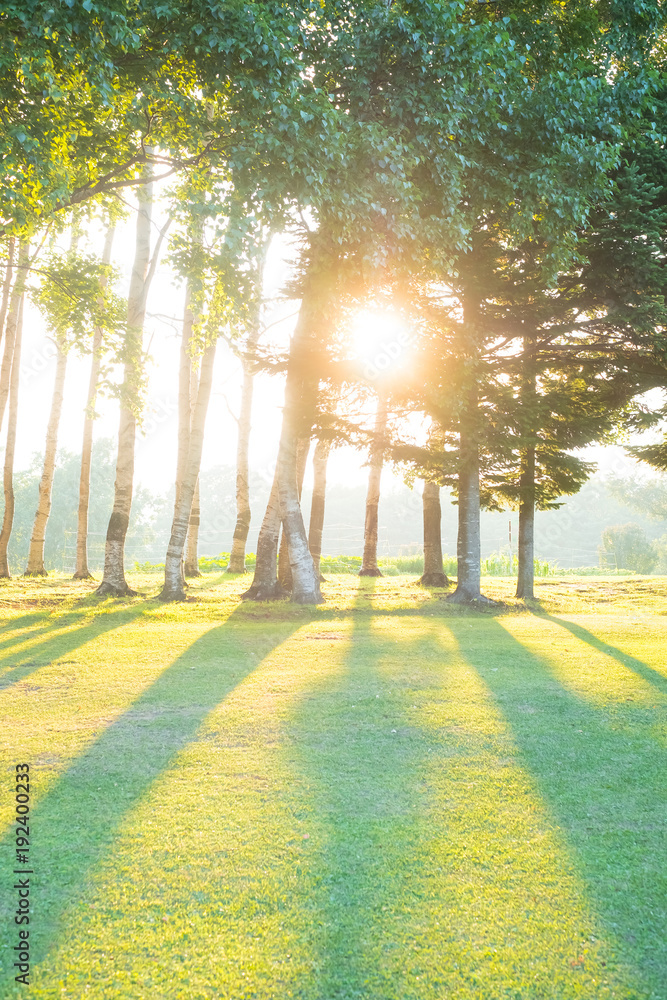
(383, 798)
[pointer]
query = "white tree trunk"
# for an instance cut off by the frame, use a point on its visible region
(15, 333)
(7, 283)
(82, 572)
(113, 580)
(15, 301)
(35, 565)
(318, 500)
(369, 562)
(173, 589)
(243, 514)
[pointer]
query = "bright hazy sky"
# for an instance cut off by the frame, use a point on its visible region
(155, 465)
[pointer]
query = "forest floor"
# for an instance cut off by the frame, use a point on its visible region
(382, 798)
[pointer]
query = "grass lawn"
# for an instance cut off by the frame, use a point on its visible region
(382, 798)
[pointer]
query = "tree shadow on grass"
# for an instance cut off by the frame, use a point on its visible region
(58, 639)
(359, 758)
(632, 663)
(78, 819)
(602, 778)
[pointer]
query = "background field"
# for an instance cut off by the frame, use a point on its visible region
(383, 798)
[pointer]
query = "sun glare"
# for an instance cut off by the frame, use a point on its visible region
(379, 339)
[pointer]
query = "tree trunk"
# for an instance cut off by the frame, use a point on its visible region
(191, 567)
(526, 576)
(243, 514)
(316, 526)
(369, 563)
(173, 589)
(434, 574)
(525, 584)
(7, 283)
(191, 548)
(468, 546)
(15, 306)
(35, 565)
(300, 399)
(284, 568)
(265, 586)
(113, 580)
(16, 321)
(82, 572)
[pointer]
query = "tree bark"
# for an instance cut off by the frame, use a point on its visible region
(7, 283)
(300, 400)
(191, 567)
(284, 568)
(35, 565)
(82, 572)
(369, 562)
(243, 513)
(434, 573)
(15, 306)
(113, 580)
(192, 543)
(316, 525)
(525, 583)
(265, 586)
(468, 545)
(174, 589)
(16, 321)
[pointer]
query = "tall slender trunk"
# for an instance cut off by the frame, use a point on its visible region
(192, 543)
(15, 305)
(265, 586)
(7, 283)
(300, 400)
(526, 575)
(525, 584)
(173, 589)
(82, 572)
(191, 562)
(243, 514)
(113, 580)
(284, 568)
(16, 319)
(468, 544)
(369, 563)
(316, 525)
(434, 573)
(35, 565)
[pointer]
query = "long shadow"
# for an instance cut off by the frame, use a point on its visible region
(603, 780)
(21, 662)
(360, 767)
(76, 822)
(631, 662)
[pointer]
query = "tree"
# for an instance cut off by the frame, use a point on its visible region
(318, 501)
(434, 574)
(369, 563)
(13, 336)
(113, 579)
(81, 571)
(625, 546)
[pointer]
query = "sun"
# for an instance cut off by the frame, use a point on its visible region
(380, 340)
